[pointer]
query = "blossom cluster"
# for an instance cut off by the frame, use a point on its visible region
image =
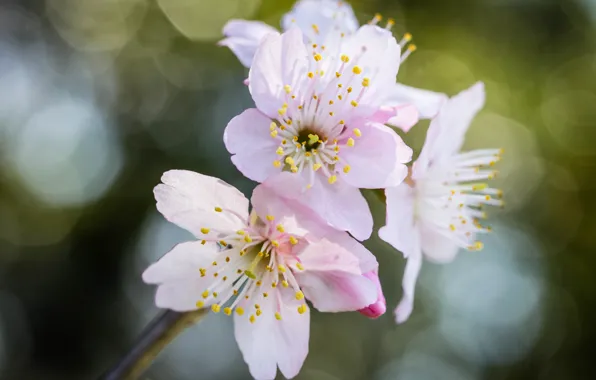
(323, 127)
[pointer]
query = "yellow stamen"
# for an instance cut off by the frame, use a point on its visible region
(239, 310)
(332, 179)
(299, 295)
(357, 132)
(270, 218)
(350, 142)
(276, 163)
(347, 169)
(280, 228)
(215, 307)
(200, 304)
(293, 240)
(277, 316)
(357, 70)
(218, 209)
(227, 311)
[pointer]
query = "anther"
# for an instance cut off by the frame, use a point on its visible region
(205, 230)
(227, 311)
(280, 228)
(293, 240)
(350, 142)
(200, 304)
(252, 319)
(277, 316)
(276, 163)
(218, 209)
(215, 307)
(347, 169)
(299, 266)
(239, 310)
(365, 82)
(317, 57)
(274, 134)
(280, 151)
(357, 132)
(332, 179)
(357, 70)
(345, 58)
(299, 295)
(270, 218)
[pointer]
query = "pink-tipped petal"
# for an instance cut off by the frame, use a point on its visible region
(332, 280)
(189, 199)
(248, 138)
(243, 38)
(378, 308)
(377, 158)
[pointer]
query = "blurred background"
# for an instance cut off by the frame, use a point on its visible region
(99, 97)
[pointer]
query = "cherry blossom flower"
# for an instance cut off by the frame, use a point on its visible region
(260, 267)
(318, 116)
(436, 211)
(378, 308)
(325, 23)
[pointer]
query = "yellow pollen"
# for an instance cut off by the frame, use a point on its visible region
(302, 309)
(299, 295)
(300, 107)
(487, 197)
(412, 48)
(200, 304)
(257, 306)
(312, 139)
(349, 90)
(337, 74)
(281, 111)
(318, 57)
(277, 316)
(330, 102)
(347, 169)
(227, 311)
(280, 228)
(265, 295)
(259, 312)
(274, 243)
(390, 22)
(281, 268)
(205, 294)
(239, 310)
(227, 259)
(378, 17)
(273, 133)
(270, 218)
(203, 272)
(452, 227)
(315, 97)
(276, 163)
(314, 46)
(287, 88)
(218, 209)
(247, 239)
(258, 283)
(315, 28)
(357, 132)
(310, 74)
(345, 58)
(214, 263)
(342, 122)
(215, 274)
(316, 167)
(274, 284)
(330, 113)
(332, 179)
(365, 82)
(203, 242)
(294, 169)
(252, 319)
(408, 37)
(225, 278)
(215, 308)
(478, 245)
(293, 240)
(205, 230)
(280, 151)
(350, 142)
(272, 126)
(285, 284)
(214, 294)
(289, 160)
(357, 70)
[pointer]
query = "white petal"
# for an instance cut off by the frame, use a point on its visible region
(330, 16)
(399, 228)
(189, 199)
(446, 132)
(436, 247)
(243, 38)
(268, 342)
(182, 262)
(406, 305)
(427, 102)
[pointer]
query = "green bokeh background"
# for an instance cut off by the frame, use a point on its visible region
(98, 98)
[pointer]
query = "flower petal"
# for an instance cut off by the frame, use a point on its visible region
(248, 138)
(378, 308)
(329, 16)
(413, 265)
(182, 262)
(427, 102)
(280, 196)
(406, 116)
(269, 342)
(189, 199)
(280, 60)
(446, 132)
(399, 228)
(436, 247)
(376, 160)
(332, 280)
(243, 38)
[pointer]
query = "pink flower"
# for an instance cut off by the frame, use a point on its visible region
(378, 308)
(436, 212)
(328, 23)
(318, 116)
(261, 267)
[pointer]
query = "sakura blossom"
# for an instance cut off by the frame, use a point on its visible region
(324, 24)
(437, 210)
(260, 267)
(318, 116)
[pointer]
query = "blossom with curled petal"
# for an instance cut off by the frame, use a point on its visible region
(437, 210)
(260, 267)
(318, 116)
(326, 23)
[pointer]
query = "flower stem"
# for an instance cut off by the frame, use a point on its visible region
(156, 336)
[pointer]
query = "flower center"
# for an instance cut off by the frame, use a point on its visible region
(309, 139)
(252, 263)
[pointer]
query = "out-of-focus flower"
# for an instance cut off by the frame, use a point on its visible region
(319, 116)
(327, 24)
(261, 267)
(436, 211)
(378, 308)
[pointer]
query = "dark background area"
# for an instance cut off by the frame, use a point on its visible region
(98, 98)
